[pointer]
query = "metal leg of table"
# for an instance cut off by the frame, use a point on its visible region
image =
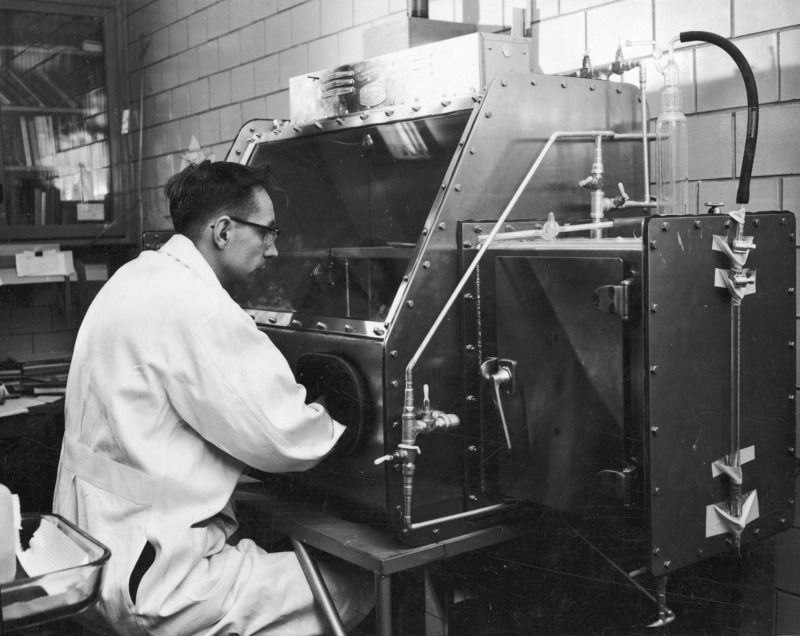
(436, 623)
(383, 591)
(318, 588)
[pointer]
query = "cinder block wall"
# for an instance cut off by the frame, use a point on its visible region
(201, 68)
(206, 67)
(37, 319)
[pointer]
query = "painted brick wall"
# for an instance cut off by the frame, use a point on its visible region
(36, 319)
(206, 67)
(42, 318)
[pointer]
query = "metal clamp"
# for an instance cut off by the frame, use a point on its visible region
(614, 299)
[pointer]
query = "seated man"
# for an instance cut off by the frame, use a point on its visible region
(172, 392)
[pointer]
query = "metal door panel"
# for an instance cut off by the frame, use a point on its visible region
(570, 375)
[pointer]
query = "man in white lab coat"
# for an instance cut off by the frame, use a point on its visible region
(172, 392)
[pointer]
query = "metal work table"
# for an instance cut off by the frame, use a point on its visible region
(367, 546)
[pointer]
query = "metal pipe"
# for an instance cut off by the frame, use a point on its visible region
(598, 194)
(383, 605)
(478, 512)
(490, 237)
(645, 137)
(418, 8)
(318, 587)
(627, 136)
(523, 234)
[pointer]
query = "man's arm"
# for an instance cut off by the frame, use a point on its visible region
(236, 389)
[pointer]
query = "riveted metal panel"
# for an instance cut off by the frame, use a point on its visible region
(689, 363)
(570, 378)
(507, 131)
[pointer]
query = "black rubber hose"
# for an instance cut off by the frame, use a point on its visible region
(743, 194)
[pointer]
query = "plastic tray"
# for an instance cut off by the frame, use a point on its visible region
(62, 592)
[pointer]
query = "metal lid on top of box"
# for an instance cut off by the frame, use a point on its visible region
(430, 72)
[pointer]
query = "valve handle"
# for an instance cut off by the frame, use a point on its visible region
(503, 376)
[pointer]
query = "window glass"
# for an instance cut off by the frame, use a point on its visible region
(53, 111)
(351, 206)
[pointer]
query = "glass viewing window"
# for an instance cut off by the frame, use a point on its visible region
(351, 205)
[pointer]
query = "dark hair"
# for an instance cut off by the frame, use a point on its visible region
(200, 191)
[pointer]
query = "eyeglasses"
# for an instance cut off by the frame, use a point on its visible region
(270, 233)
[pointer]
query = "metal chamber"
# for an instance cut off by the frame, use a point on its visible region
(618, 348)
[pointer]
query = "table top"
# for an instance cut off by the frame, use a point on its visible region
(368, 545)
(17, 415)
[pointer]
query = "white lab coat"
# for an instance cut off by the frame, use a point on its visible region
(172, 391)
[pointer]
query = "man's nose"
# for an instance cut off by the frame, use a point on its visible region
(271, 251)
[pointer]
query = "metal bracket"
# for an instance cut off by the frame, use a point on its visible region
(614, 299)
(616, 483)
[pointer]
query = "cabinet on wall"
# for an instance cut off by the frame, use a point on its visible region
(59, 122)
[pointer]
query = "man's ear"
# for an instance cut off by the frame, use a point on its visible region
(220, 231)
